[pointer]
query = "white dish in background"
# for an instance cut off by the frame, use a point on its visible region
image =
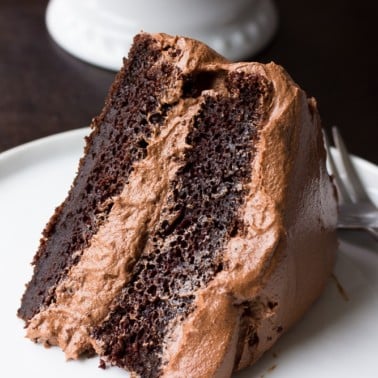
(101, 32)
(337, 338)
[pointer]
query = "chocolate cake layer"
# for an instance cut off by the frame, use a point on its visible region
(120, 137)
(185, 249)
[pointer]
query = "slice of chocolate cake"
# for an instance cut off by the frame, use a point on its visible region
(200, 225)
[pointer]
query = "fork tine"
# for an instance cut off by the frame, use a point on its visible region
(357, 189)
(343, 193)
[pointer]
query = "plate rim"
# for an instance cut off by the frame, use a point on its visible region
(41, 142)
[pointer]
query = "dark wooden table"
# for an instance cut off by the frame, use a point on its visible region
(329, 47)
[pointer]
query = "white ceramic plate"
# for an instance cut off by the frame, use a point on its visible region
(337, 338)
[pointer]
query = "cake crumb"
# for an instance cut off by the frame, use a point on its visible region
(275, 355)
(272, 367)
(340, 288)
(102, 364)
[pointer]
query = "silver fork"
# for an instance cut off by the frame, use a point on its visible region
(356, 209)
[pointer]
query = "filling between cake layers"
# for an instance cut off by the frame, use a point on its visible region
(184, 251)
(120, 138)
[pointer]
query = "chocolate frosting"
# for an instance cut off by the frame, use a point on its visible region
(276, 266)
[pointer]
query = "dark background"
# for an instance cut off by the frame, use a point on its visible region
(328, 47)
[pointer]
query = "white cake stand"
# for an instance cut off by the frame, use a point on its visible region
(101, 31)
